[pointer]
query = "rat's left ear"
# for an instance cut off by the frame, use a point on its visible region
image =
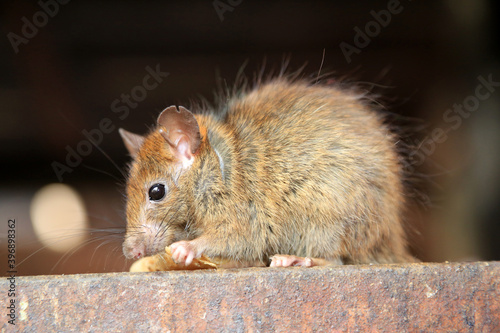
(133, 142)
(181, 131)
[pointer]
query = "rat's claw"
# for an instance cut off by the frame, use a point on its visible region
(189, 258)
(184, 252)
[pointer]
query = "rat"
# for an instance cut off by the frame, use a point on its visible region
(286, 173)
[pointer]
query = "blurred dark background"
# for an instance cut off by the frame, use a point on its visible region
(63, 66)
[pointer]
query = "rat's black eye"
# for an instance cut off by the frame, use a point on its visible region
(157, 192)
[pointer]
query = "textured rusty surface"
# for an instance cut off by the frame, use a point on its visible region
(428, 297)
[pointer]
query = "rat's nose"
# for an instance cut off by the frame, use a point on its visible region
(136, 251)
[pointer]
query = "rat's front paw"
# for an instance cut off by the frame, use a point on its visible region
(184, 252)
(283, 260)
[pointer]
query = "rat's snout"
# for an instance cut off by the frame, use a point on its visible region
(144, 241)
(134, 250)
(136, 245)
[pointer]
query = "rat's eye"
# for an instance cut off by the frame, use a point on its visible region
(157, 192)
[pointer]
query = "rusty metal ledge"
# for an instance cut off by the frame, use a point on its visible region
(398, 298)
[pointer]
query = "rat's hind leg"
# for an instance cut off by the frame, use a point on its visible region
(284, 260)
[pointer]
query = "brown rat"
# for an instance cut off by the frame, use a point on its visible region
(298, 173)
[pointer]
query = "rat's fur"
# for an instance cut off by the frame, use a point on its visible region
(308, 170)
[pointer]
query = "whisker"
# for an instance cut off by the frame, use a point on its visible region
(105, 242)
(64, 258)
(102, 172)
(162, 221)
(92, 141)
(321, 66)
(68, 254)
(169, 224)
(110, 159)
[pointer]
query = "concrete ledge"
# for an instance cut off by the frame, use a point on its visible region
(398, 298)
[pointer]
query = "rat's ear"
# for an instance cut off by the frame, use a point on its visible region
(133, 142)
(181, 131)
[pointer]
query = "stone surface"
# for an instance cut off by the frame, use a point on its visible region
(397, 298)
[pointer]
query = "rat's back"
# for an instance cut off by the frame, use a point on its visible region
(323, 166)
